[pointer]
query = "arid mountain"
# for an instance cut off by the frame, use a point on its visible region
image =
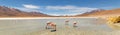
(91, 12)
(12, 12)
(114, 12)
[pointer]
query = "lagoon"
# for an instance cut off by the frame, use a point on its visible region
(26, 26)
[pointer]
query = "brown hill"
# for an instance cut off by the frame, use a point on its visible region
(12, 12)
(113, 12)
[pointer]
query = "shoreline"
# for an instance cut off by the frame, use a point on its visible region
(102, 17)
(42, 17)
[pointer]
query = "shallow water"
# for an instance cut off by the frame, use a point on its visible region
(22, 26)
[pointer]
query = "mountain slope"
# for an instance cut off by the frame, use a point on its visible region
(12, 12)
(91, 12)
(113, 12)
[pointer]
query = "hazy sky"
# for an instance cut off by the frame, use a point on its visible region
(61, 7)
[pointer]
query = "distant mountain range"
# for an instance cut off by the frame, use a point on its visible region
(12, 12)
(100, 12)
(91, 12)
